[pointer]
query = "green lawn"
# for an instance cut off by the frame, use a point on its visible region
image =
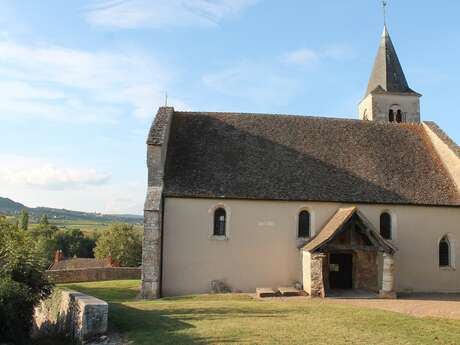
(239, 319)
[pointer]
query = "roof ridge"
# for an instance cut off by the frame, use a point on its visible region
(313, 117)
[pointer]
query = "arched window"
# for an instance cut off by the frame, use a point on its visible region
(304, 224)
(220, 219)
(385, 225)
(399, 116)
(444, 252)
(391, 116)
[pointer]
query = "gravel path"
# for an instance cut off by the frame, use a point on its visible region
(436, 305)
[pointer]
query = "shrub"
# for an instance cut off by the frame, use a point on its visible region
(22, 283)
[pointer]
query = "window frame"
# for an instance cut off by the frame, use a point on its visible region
(304, 211)
(391, 225)
(399, 118)
(448, 238)
(211, 221)
(302, 240)
(391, 116)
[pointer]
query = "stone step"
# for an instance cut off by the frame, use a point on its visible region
(266, 292)
(289, 291)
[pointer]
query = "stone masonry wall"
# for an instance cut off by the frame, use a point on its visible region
(93, 274)
(72, 314)
(366, 271)
(157, 144)
(317, 278)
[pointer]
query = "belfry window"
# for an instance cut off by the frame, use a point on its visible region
(304, 224)
(391, 116)
(399, 116)
(220, 220)
(444, 252)
(385, 225)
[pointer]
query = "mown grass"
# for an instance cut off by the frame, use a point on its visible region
(239, 319)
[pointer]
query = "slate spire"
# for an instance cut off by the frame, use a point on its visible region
(387, 72)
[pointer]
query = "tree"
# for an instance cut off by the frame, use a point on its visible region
(24, 220)
(73, 242)
(123, 243)
(22, 282)
(44, 223)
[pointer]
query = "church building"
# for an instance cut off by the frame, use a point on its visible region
(251, 201)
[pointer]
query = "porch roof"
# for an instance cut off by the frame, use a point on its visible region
(336, 224)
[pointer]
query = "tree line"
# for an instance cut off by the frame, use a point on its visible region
(120, 241)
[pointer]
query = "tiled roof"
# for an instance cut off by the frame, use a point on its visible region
(329, 230)
(280, 157)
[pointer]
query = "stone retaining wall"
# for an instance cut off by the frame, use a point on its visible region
(72, 314)
(93, 274)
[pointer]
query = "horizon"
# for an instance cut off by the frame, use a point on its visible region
(81, 82)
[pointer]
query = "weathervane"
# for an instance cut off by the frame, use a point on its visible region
(384, 5)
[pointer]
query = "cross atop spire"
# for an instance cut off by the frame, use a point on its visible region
(384, 5)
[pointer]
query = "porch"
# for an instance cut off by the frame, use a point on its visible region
(346, 255)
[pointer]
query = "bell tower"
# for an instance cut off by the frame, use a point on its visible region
(388, 97)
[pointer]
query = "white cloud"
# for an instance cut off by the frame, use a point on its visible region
(57, 83)
(163, 13)
(307, 57)
(256, 82)
(29, 172)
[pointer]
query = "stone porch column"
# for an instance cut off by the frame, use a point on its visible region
(388, 281)
(312, 271)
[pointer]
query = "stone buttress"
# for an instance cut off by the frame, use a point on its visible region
(157, 143)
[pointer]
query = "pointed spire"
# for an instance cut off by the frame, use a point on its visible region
(387, 72)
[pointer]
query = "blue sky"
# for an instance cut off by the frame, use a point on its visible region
(80, 81)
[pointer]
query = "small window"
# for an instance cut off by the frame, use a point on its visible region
(220, 219)
(444, 253)
(399, 116)
(304, 224)
(391, 116)
(385, 225)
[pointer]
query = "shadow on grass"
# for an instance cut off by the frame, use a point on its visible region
(171, 325)
(165, 322)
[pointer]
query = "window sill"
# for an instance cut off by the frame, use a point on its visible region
(301, 241)
(447, 268)
(218, 238)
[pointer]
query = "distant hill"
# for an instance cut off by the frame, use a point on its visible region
(9, 207)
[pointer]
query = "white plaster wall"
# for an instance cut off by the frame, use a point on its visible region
(262, 249)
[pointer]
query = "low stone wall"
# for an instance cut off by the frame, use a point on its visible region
(93, 274)
(72, 314)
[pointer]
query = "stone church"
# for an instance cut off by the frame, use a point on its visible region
(266, 200)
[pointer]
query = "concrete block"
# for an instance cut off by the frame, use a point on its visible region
(266, 292)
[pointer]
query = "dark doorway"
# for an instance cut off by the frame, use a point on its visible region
(340, 271)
